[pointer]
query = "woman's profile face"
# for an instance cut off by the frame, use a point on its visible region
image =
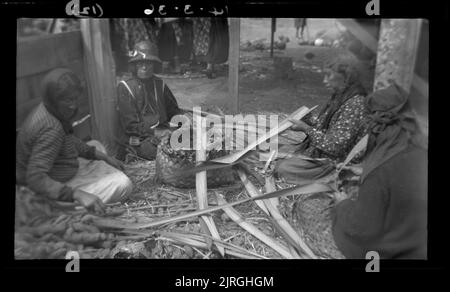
(333, 80)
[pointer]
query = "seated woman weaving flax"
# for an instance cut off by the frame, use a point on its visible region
(334, 131)
(52, 162)
(389, 213)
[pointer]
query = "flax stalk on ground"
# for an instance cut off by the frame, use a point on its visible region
(272, 243)
(297, 190)
(270, 209)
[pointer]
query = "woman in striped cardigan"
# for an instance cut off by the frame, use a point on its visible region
(52, 162)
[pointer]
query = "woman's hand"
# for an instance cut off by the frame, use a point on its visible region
(89, 201)
(161, 133)
(340, 196)
(110, 160)
(114, 162)
(299, 125)
(357, 170)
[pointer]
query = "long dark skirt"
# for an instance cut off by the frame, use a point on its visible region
(218, 42)
(185, 33)
(167, 43)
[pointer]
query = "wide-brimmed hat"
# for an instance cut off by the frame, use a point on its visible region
(144, 50)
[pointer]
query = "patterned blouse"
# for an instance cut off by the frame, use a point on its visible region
(346, 128)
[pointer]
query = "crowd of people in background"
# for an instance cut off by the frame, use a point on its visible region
(193, 41)
(199, 42)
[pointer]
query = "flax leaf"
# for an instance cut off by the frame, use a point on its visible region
(236, 217)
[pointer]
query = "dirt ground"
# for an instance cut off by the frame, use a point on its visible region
(260, 90)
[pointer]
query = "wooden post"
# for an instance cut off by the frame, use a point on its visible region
(397, 50)
(396, 62)
(273, 28)
(101, 80)
(233, 61)
(201, 183)
(366, 33)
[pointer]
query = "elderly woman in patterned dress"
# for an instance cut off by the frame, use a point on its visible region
(334, 130)
(389, 212)
(331, 134)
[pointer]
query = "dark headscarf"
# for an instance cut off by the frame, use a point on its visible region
(349, 67)
(392, 127)
(56, 84)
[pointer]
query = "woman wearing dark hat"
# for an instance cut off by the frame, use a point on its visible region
(51, 161)
(389, 213)
(145, 104)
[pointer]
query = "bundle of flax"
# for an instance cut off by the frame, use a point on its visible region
(45, 229)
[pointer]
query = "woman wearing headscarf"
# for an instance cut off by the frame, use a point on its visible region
(51, 161)
(334, 130)
(389, 213)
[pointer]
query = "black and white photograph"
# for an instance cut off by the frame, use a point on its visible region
(221, 137)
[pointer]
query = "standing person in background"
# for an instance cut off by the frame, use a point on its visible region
(335, 129)
(125, 32)
(175, 42)
(299, 24)
(184, 33)
(211, 42)
(167, 44)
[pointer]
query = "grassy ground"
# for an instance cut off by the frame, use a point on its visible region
(259, 28)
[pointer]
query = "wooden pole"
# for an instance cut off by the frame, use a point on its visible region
(397, 50)
(272, 35)
(396, 62)
(201, 184)
(101, 80)
(365, 33)
(233, 61)
(51, 26)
